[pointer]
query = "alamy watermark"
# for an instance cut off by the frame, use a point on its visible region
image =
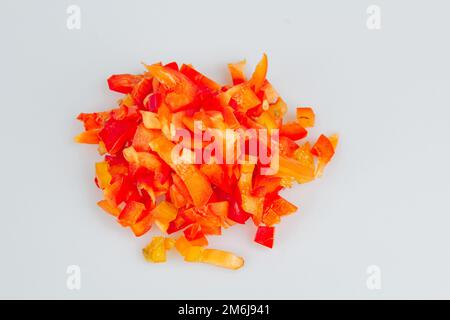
(73, 21)
(373, 281)
(373, 21)
(73, 281)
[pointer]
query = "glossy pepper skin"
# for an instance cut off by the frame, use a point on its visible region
(264, 235)
(144, 183)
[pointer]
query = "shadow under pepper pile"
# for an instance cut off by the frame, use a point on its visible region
(142, 185)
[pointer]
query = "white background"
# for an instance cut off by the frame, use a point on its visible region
(384, 199)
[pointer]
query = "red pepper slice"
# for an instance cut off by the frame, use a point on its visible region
(116, 133)
(264, 236)
(123, 83)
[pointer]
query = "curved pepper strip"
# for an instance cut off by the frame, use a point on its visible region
(197, 184)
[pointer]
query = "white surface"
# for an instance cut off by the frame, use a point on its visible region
(384, 200)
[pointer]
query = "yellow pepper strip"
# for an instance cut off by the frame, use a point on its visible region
(211, 256)
(222, 259)
(102, 174)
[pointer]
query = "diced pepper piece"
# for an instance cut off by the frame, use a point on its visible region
(179, 223)
(181, 90)
(144, 159)
(270, 94)
(102, 174)
(94, 120)
(155, 251)
(169, 243)
(323, 148)
(304, 156)
(172, 65)
(266, 184)
(230, 119)
(194, 231)
(293, 131)
(182, 244)
(141, 90)
(216, 175)
(293, 168)
(259, 75)
(267, 120)
(237, 71)
(142, 138)
(130, 213)
(142, 224)
(237, 214)
(281, 206)
(242, 98)
(123, 83)
(150, 120)
(164, 213)
(197, 184)
(198, 78)
(270, 217)
(116, 133)
(287, 146)
(176, 197)
(88, 137)
(109, 207)
(264, 236)
(153, 101)
(334, 139)
(305, 117)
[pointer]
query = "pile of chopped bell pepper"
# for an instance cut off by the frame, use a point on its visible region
(144, 187)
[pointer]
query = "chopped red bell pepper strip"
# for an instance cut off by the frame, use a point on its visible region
(141, 90)
(264, 236)
(181, 90)
(116, 133)
(198, 78)
(123, 83)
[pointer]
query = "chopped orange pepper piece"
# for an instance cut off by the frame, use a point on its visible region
(130, 214)
(237, 71)
(109, 207)
(88, 137)
(305, 117)
(259, 75)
